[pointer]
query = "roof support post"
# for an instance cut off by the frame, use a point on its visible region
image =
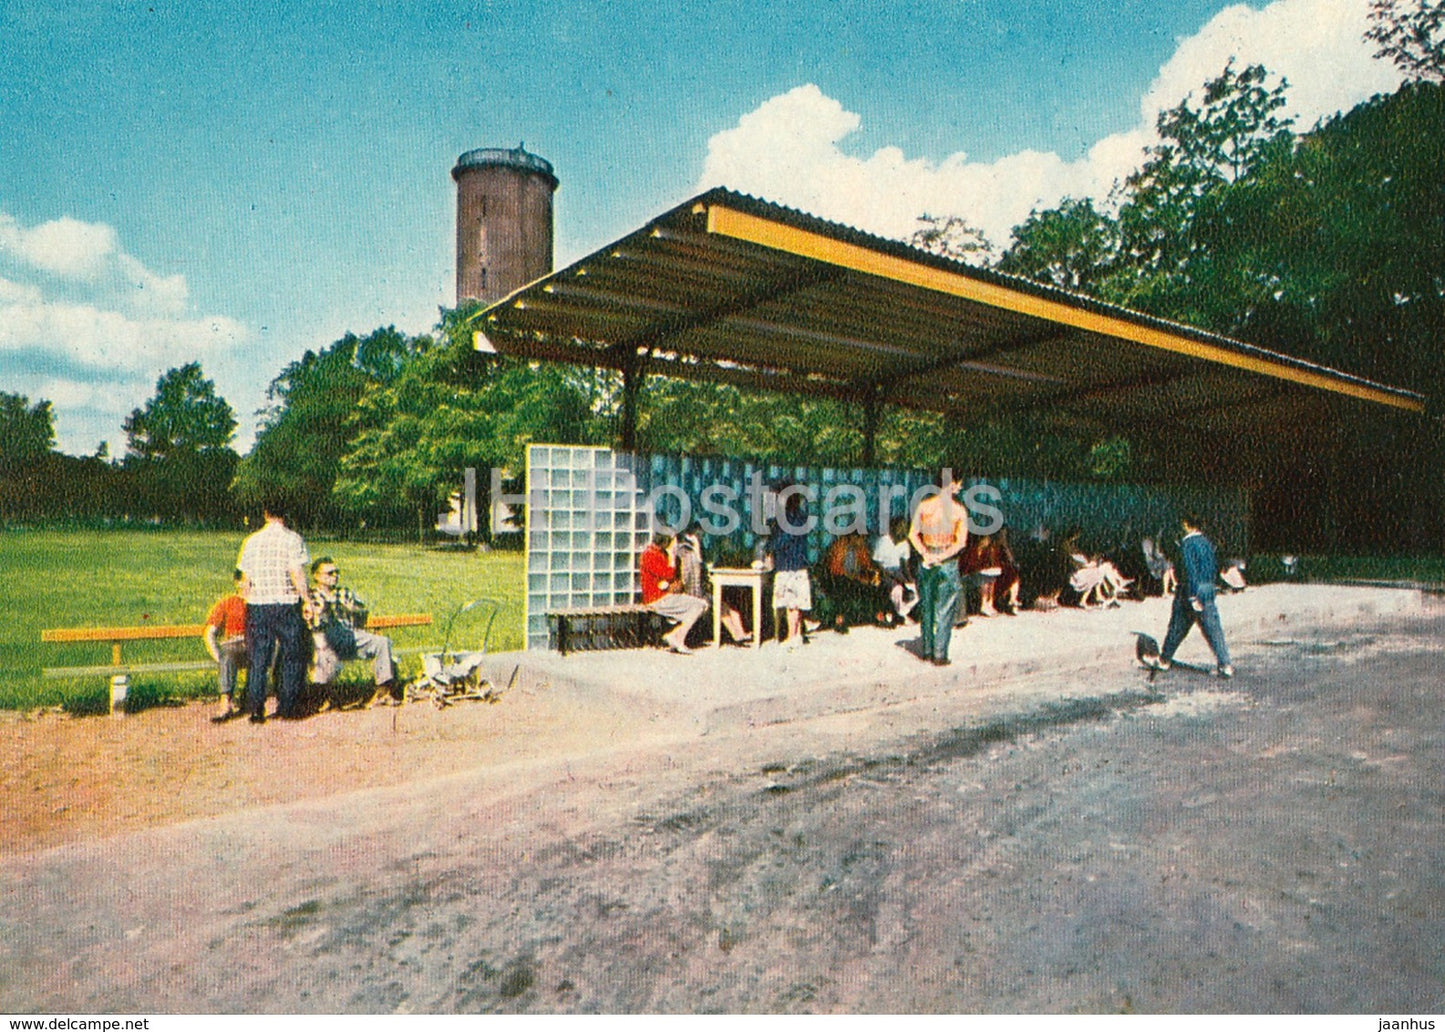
(631, 382)
(872, 412)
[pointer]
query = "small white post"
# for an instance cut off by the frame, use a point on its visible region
(119, 686)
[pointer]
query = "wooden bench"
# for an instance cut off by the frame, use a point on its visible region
(118, 636)
(623, 625)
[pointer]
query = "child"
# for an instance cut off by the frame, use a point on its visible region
(226, 642)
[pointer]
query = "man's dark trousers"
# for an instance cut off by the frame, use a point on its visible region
(269, 628)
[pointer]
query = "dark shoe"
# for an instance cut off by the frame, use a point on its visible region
(941, 661)
(257, 718)
(227, 717)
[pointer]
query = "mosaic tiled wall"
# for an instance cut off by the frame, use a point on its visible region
(589, 514)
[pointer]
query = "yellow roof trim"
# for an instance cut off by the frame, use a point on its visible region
(738, 225)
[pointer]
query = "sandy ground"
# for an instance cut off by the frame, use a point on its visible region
(839, 831)
(73, 779)
(77, 779)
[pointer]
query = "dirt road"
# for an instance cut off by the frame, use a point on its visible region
(1269, 844)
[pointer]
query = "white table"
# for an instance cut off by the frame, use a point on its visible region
(737, 577)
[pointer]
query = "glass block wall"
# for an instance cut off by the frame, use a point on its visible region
(585, 529)
(589, 515)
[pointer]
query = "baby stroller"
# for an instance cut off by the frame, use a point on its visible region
(1161, 570)
(453, 675)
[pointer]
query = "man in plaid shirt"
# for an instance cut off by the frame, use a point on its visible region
(331, 604)
(274, 561)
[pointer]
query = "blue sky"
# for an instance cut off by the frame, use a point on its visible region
(237, 183)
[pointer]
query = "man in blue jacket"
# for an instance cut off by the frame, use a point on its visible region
(1194, 600)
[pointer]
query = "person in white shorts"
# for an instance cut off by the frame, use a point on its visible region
(788, 549)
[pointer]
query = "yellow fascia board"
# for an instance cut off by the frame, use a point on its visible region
(739, 225)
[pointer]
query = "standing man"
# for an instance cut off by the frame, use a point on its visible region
(1194, 600)
(939, 531)
(274, 561)
(338, 620)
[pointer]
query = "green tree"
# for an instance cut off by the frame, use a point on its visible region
(1073, 246)
(184, 415)
(1411, 33)
(310, 423)
(179, 462)
(1204, 148)
(952, 236)
(27, 437)
(449, 408)
(27, 432)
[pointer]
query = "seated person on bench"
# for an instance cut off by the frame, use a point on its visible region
(853, 589)
(662, 591)
(225, 637)
(337, 619)
(692, 571)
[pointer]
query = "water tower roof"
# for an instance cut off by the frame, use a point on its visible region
(515, 157)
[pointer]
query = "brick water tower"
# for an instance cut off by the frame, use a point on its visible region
(504, 221)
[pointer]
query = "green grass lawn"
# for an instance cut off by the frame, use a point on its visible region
(61, 578)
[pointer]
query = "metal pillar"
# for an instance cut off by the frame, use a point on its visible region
(631, 381)
(872, 412)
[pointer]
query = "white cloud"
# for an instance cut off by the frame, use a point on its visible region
(103, 342)
(151, 291)
(788, 149)
(1316, 45)
(86, 257)
(91, 328)
(14, 293)
(65, 246)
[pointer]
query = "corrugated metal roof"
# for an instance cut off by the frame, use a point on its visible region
(730, 288)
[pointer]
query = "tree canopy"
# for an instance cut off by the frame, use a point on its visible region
(27, 432)
(1411, 33)
(311, 421)
(446, 409)
(179, 458)
(184, 415)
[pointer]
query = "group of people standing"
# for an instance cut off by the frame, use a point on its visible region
(915, 570)
(276, 625)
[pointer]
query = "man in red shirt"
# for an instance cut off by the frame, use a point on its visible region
(662, 592)
(226, 642)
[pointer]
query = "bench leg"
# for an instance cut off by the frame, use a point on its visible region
(119, 689)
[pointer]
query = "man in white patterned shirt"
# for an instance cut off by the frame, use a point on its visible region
(274, 561)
